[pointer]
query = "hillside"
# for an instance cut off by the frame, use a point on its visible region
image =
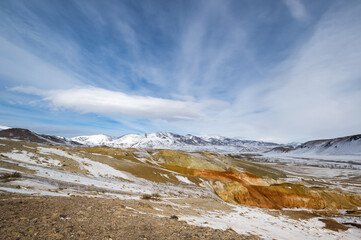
(30, 136)
(202, 188)
(349, 145)
(335, 146)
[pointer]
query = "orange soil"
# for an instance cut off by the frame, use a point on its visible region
(255, 191)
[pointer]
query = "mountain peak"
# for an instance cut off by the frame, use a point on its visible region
(93, 140)
(168, 140)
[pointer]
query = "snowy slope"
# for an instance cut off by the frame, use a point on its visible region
(3, 127)
(93, 140)
(175, 141)
(350, 145)
(335, 146)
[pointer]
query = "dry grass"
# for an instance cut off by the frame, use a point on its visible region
(246, 162)
(7, 177)
(183, 159)
(333, 225)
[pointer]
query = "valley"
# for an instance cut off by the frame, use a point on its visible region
(258, 195)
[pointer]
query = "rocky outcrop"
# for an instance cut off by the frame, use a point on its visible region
(235, 176)
(248, 189)
(245, 188)
(285, 195)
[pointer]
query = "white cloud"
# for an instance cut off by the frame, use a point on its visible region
(102, 101)
(297, 9)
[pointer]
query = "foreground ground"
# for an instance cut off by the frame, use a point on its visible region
(45, 217)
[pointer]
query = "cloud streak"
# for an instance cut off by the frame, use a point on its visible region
(102, 101)
(21, 67)
(297, 9)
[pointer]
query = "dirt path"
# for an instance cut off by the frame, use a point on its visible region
(44, 217)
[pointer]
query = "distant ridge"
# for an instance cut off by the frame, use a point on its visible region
(349, 145)
(334, 146)
(30, 136)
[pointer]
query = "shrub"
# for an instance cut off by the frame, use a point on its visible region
(154, 196)
(10, 175)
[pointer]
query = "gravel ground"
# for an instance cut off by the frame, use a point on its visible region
(45, 217)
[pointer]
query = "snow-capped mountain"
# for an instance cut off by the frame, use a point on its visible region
(350, 145)
(93, 140)
(175, 141)
(335, 146)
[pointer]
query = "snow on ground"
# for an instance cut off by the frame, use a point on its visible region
(12, 139)
(334, 171)
(311, 155)
(245, 220)
(102, 155)
(101, 177)
(15, 190)
(32, 158)
(242, 219)
(183, 179)
(94, 168)
(7, 170)
(29, 147)
(164, 175)
(27, 191)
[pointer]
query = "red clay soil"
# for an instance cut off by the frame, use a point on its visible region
(235, 176)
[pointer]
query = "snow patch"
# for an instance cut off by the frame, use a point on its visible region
(2, 127)
(94, 168)
(32, 158)
(245, 220)
(183, 179)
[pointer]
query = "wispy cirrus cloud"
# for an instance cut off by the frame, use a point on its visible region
(297, 9)
(18, 66)
(269, 77)
(315, 91)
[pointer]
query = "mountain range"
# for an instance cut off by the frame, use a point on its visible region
(166, 140)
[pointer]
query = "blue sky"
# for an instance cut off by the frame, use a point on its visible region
(260, 69)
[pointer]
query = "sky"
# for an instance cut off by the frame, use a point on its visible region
(271, 70)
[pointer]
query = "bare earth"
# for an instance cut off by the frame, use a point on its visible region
(46, 217)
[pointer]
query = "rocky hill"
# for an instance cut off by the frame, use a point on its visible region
(30, 136)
